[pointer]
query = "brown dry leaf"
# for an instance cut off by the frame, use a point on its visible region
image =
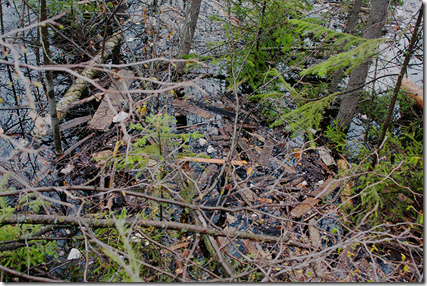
(267, 201)
(249, 171)
(67, 169)
(175, 247)
(103, 154)
(320, 192)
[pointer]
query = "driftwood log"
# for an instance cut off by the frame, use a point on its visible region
(76, 89)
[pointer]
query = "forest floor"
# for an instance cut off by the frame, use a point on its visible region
(190, 185)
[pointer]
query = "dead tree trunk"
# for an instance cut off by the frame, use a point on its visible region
(187, 32)
(49, 81)
(357, 78)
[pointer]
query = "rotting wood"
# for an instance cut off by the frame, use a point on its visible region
(205, 177)
(314, 233)
(226, 244)
(212, 245)
(289, 169)
(72, 123)
(75, 90)
(316, 241)
(175, 247)
(257, 136)
(228, 126)
(256, 250)
(247, 194)
(318, 194)
(224, 133)
(189, 107)
(245, 147)
(324, 153)
(414, 91)
(97, 96)
(104, 114)
(264, 157)
(346, 192)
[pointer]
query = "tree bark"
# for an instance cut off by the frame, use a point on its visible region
(351, 25)
(187, 33)
(357, 78)
(49, 81)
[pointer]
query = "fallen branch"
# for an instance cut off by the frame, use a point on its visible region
(76, 89)
(29, 277)
(213, 161)
(165, 225)
(128, 191)
(97, 96)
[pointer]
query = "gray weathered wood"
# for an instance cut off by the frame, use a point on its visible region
(229, 127)
(72, 123)
(75, 90)
(104, 114)
(264, 157)
(189, 107)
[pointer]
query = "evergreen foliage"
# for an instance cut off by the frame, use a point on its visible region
(278, 38)
(166, 144)
(37, 252)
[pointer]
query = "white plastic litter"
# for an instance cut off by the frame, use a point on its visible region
(74, 254)
(210, 150)
(136, 238)
(203, 142)
(122, 116)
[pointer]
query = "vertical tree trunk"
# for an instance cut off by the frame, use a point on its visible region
(398, 84)
(49, 81)
(351, 25)
(187, 32)
(357, 78)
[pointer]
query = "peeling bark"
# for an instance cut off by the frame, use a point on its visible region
(76, 89)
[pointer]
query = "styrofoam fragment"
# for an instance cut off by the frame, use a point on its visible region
(74, 254)
(122, 116)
